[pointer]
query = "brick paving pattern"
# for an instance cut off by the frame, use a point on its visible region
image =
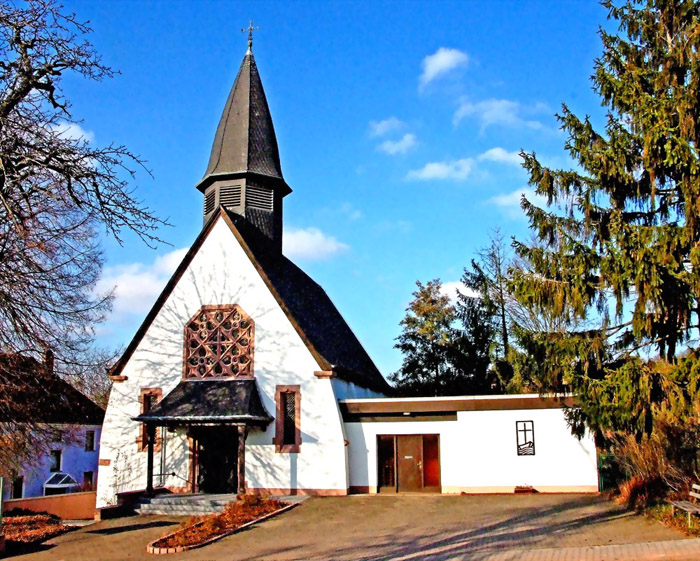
(406, 527)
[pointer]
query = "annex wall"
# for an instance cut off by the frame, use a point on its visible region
(478, 452)
(221, 273)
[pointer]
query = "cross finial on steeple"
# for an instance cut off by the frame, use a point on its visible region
(250, 30)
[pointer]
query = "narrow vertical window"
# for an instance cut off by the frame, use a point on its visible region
(17, 487)
(289, 412)
(288, 416)
(55, 461)
(525, 433)
(148, 398)
(90, 441)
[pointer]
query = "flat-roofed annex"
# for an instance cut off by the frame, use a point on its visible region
(421, 405)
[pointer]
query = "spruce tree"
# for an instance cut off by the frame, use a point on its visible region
(619, 247)
(445, 346)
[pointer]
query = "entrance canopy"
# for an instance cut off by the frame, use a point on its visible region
(196, 402)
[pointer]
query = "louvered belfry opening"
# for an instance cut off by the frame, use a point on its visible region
(244, 175)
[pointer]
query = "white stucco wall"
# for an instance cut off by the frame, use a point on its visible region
(221, 274)
(478, 452)
(75, 460)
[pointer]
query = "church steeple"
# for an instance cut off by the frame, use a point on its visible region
(244, 172)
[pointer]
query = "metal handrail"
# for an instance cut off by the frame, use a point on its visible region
(172, 474)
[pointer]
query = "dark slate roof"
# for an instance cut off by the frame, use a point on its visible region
(245, 140)
(210, 401)
(28, 393)
(311, 311)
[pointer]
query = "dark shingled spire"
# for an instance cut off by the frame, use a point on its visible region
(244, 172)
(245, 140)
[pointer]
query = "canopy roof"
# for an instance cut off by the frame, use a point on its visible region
(229, 401)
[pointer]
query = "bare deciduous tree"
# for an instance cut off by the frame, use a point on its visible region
(58, 193)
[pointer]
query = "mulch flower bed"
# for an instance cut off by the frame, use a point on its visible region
(200, 530)
(23, 531)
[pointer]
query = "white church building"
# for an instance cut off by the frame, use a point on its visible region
(244, 377)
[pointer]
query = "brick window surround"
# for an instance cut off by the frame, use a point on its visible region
(148, 398)
(292, 442)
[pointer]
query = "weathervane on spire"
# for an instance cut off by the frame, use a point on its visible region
(250, 30)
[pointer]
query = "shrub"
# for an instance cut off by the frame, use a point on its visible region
(651, 468)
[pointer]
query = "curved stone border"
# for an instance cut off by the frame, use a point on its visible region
(152, 549)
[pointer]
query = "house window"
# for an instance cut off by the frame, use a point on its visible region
(17, 487)
(525, 433)
(88, 480)
(219, 343)
(287, 419)
(148, 398)
(55, 461)
(90, 441)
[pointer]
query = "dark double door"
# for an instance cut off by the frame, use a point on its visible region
(408, 463)
(216, 460)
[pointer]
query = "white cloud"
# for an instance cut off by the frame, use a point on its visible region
(310, 244)
(501, 156)
(509, 203)
(500, 112)
(452, 169)
(73, 131)
(137, 285)
(402, 146)
(450, 289)
(382, 128)
(443, 61)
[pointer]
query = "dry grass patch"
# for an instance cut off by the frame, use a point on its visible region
(24, 531)
(200, 529)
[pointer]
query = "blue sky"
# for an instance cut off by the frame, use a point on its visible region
(398, 125)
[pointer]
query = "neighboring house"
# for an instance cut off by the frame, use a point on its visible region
(245, 377)
(67, 459)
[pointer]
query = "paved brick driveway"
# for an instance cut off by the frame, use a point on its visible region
(415, 528)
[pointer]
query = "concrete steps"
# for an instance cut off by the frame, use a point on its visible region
(184, 505)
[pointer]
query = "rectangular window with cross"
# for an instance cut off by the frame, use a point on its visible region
(525, 433)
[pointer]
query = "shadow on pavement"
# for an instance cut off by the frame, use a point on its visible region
(130, 528)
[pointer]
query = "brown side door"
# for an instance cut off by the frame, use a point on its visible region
(409, 452)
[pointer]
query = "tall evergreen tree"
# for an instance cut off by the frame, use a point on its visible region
(425, 342)
(620, 237)
(445, 346)
(473, 339)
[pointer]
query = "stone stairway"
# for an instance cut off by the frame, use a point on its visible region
(184, 505)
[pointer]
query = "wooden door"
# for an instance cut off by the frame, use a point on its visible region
(409, 461)
(217, 460)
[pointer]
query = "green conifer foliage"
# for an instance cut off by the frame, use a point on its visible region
(619, 247)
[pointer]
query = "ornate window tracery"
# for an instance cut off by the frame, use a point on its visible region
(219, 343)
